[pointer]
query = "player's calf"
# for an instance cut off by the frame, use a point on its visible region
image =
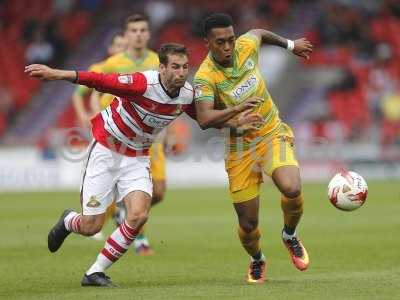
(91, 225)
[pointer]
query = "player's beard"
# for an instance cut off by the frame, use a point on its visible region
(178, 84)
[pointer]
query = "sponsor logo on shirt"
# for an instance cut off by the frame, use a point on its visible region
(249, 64)
(125, 79)
(244, 87)
(155, 122)
(197, 90)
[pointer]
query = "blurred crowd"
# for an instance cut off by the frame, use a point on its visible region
(358, 39)
(180, 20)
(36, 32)
(361, 39)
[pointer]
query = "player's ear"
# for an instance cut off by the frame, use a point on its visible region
(207, 42)
(162, 68)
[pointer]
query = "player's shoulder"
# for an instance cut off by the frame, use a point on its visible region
(152, 54)
(115, 59)
(248, 40)
(151, 77)
(152, 57)
(96, 67)
(205, 70)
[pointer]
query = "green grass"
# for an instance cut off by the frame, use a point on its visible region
(353, 255)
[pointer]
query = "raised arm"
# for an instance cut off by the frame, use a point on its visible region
(119, 85)
(300, 47)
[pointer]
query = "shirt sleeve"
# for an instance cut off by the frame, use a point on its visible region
(83, 90)
(116, 84)
(203, 89)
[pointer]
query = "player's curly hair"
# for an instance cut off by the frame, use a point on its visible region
(170, 48)
(216, 20)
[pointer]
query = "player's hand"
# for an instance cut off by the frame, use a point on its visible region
(302, 48)
(42, 72)
(249, 120)
(85, 122)
(249, 103)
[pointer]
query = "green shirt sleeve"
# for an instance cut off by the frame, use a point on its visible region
(203, 89)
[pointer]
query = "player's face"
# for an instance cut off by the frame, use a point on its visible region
(221, 43)
(175, 72)
(118, 45)
(137, 34)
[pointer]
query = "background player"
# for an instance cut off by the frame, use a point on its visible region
(228, 76)
(118, 44)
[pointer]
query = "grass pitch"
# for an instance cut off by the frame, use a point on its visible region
(353, 255)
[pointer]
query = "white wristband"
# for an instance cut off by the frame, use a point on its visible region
(290, 45)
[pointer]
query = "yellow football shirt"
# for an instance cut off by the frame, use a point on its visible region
(121, 63)
(228, 87)
(83, 90)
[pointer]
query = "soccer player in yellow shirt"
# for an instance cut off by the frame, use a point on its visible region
(118, 44)
(229, 75)
(136, 58)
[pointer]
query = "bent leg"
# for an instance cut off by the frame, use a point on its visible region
(248, 231)
(287, 180)
(138, 205)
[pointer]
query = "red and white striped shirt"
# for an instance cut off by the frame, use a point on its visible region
(140, 110)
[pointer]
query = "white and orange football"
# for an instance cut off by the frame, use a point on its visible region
(347, 190)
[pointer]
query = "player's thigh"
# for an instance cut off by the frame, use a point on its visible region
(279, 151)
(98, 182)
(247, 213)
(135, 186)
(244, 175)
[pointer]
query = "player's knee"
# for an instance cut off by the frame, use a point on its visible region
(137, 219)
(291, 190)
(248, 224)
(91, 227)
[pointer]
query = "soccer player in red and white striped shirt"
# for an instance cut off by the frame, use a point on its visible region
(118, 163)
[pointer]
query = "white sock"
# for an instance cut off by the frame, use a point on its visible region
(261, 259)
(286, 236)
(73, 221)
(116, 245)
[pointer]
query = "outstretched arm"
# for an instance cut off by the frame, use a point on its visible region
(208, 117)
(119, 85)
(300, 47)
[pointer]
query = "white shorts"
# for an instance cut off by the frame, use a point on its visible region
(109, 175)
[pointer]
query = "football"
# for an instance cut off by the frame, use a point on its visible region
(347, 190)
